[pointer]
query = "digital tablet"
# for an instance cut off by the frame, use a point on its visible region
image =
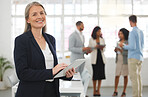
(74, 65)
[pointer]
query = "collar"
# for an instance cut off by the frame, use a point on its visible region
(80, 33)
(135, 27)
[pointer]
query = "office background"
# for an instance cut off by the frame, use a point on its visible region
(110, 15)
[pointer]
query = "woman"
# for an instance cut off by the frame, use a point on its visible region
(35, 57)
(97, 44)
(121, 61)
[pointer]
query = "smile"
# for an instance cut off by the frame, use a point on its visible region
(40, 21)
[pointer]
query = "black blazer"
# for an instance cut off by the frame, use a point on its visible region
(30, 65)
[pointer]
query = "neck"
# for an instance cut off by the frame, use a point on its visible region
(79, 30)
(98, 37)
(122, 39)
(37, 32)
(134, 25)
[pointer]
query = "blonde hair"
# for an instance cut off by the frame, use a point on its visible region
(27, 25)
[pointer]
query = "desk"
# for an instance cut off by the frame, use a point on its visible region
(67, 88)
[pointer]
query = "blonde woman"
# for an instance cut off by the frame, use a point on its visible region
(35, 57)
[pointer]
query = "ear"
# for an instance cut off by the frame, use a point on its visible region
(28, 21)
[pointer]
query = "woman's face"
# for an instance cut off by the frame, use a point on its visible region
(121, 36)
(98, 32)
(37, 17)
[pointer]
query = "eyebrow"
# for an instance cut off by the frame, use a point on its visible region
(36, 12)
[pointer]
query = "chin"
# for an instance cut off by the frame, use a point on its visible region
(40, 26)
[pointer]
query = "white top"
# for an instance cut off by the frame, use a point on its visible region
(49, 60)
(92, 44)
(118, 52)
(80, 34)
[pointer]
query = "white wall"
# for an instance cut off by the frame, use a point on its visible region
(5, 29)
(5, 34)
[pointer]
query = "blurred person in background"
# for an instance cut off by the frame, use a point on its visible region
(121, 61)
(135, 56)
(77, 49)
(97, 44)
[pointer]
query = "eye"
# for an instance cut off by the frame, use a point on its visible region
(42, 13)
(34, 14)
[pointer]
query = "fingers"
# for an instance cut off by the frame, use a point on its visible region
(59, 67)
(70, 73)
(62, 66)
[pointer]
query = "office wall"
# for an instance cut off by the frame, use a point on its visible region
(5, 29)
(5, 35)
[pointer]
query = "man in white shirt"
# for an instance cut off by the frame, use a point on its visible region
(76, 46)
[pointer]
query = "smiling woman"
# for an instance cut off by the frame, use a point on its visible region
(35, 57)
(36, 12)
(37, 17)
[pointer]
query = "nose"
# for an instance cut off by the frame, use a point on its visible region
(39, 16)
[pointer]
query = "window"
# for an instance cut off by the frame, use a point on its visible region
(115, 7)
(110, 15)
(140, 7)
(110, 28)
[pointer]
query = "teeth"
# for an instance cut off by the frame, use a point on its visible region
(39, 21)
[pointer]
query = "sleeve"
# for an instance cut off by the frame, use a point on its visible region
(90, 44)
(67, 79)
(131, 42)
(23, 70)
(104, 44)
(142, 42)
(72, 46)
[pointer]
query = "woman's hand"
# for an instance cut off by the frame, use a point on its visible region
(70, 73)
(121, 44)
(100, 47)
(117, 49)
(59, 67)
(97, 46)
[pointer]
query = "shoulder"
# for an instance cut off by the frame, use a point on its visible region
(50, 37)
(101, 38)
(22, 38)
(91, 39)
(73, 35)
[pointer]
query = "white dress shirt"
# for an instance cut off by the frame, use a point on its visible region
(49, 60)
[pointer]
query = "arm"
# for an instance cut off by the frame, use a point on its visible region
(131, 43)
(24, 72)
(142, 42)
(90, 44)
(69, 74)
(72, 46)
(103, 42)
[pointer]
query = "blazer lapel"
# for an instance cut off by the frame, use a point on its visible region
(38, 48)
(50, 47)
(35, 43)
